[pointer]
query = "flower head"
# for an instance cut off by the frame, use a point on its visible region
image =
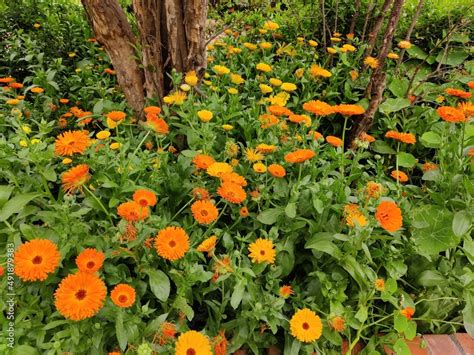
(71, 142)
(399, 176)
(144, 197)
(73, 179)
(36, 259)
(192, 342)
(286, 291)
(306, 326)
(204, 211)
(123, 295)
(317, 71)
(451, 114)
(299, 156)
(349, 110)
(157, 124)
(172, 243)
(276, 170)
(389, 216)
(407, 312)
(262, 251)
(232, 192)
(203, 161)
(132, 211)
(90, 260)
(318, 108)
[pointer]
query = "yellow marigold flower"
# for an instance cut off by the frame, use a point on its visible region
(262, 251)
(312, 43)
(354, 75)
(232, 91)
(288, 87)
(354, 216)
(192, 342)
(177, 98)
(217, 169)
(13, 102)
(299, 73)
(379, 284)
(271, 26)
(404, 44)
(265, 45)
(392, 55)
(300, 39)
(371, 62)
(205, 115)
(306, 326)
(67, 161)
(208, 245)
(262, 31)
(35, 141)
(236, 79)
(227, 127)
(250, 46)
(37, 25)
(103, 135)
(335, 39)
(185, 87)
(265, 88)
(264, 67)
(253, 155)
(317, 71)
(26, 129)
(331, 50)
(259, 168)
(114, 145)
(221, 70)
(23, 143)
(191, 78)
(349, 48)
(265, 148)
(275, 81)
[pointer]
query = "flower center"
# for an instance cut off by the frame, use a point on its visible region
(204, 213)
(262, 252)
(122, 298)
(81, 294)
(172, 243)
(143, 203)
(37, 260)
(90, 265)
(190, 351)
(305, 326)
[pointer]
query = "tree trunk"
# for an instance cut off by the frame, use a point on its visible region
(410, 29)
(377, 81)
(370, 8)
(377, 26)
(172, 36)
(355, 17)
(112, 29)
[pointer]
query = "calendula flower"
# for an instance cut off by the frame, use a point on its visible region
(312, 43)
(451, 114)
(318, 108)
(250, 46)
(253, 155)
(349, 110)
(232, 192)
(144, 198)
(265, 89)
(36, 259)
(354, 217)
(373, 190)
(262, 251)
(227, 127)
(389, 216)
(123, 295)
(306, 326)
(379, 285)
(116, 115)
(334, 141)
(289, 87)
(404, 44)
(71, 142)
(259, 168)
(399, 175)
(200, 193)
(172, 243)
(407, 312)
(236, 79)
(265, 45)
(458, 93)
(155, 110)
(80, 296)
(221, 70)
(392, 55)
(90, 260)
(264, 67)
(244, 212)
(337, 323)
(73, 179)
(208, 245)
(192, 342)
(176, 98)
(205, 115)
(203, 161)
(204, 211)
(103, 135)
(467, 108)
(275, 82)
(271, 26)
(371, 62)
(167, 332)
(191, 78)
(276, 170)
(132, 211)
(317, 71)
(12, 102)
(37, 90)
(286, 291)
(299, 156)
(217, 169)
(232, 91)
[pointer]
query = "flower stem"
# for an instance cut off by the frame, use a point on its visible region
(140, 144)
(99, 203)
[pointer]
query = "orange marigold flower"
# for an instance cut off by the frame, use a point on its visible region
(337, 323)
(428, 167)
(262, 251)
(208, 245)
(373, 190)
(467, 108)
(364, 137)
(389, 216)
(80, 296)
(168, 332)
(71, 142)
(266, 148)
(203, 161)
(217, 169)
(399, 175)
(90, 260)
(286, 291)
(7, 80)
(200, 193)
(306, 326)
(36, 259)
(407, 312)
(123, 295)
(371, 62)
(407, 138)
(144, 197)
(63, 101)
(379, 285)
(2, 271)
(192, 342)
(334, 141)
(470, 84)
(155, 110)
(73, 179)
(244, 212)
(349, 110)
(156, 123)
(299, 156)
(279, 110)
(297, 118)
(116, 115)
(172, 243)
(204, 211)
(267, 120)
(220, 346)
(132, 211)
(354, 216)
(232, 192)
(451, 114)
(277, 170)
(233, 178)
(458, 93)
(16, 85)
(317, 71)
(318, 108)
(37, 90)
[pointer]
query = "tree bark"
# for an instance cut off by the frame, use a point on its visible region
(112, 30)
(355, 17)
(195, 21)
(376, 28)
(370, 8)
(376, 85)
(410, 29)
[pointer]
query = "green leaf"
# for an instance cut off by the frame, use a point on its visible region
(323, 242)
(431, 278)
(238, 293)
(432, 232)
(399, 87)
(182, 305)
(410, 332)
(468, 312)
(417, 53)
(159, 284)
(394, 105)
(401, 348)
(361, 314)
(290, 210)
(382, 147)
(400, 323)
(49, 173)
(24, 350)
(15, 205)
(454, 57)
(5, 192)
(406, 160)
(461, 223)
(122, 337)
(431, 139)
(269, 216)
